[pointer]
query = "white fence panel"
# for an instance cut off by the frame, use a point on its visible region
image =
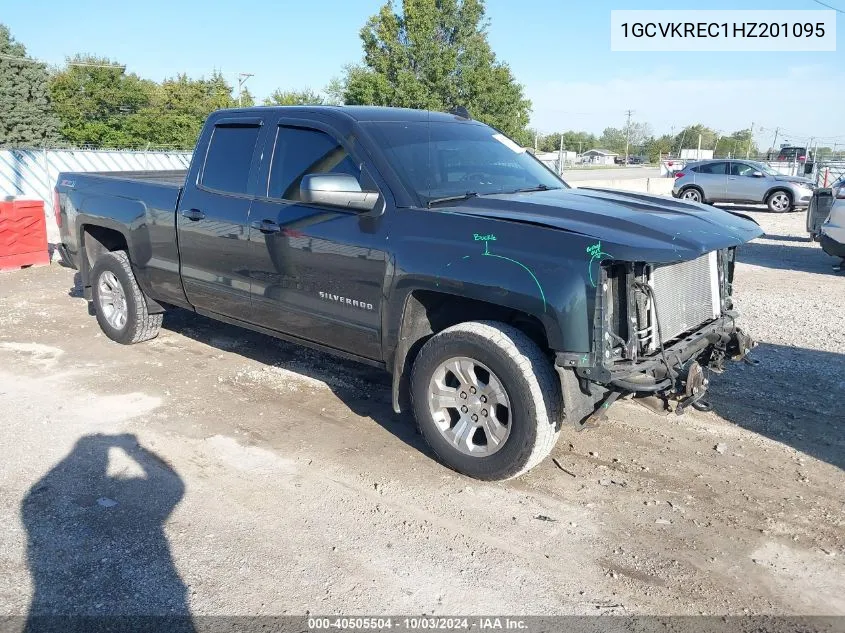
(32, 173)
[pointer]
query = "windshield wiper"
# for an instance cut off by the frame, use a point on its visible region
(464, 196)
(540, 187)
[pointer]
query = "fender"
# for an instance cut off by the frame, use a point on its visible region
(419, 307)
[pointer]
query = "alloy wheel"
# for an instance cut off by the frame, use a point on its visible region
(470, 406)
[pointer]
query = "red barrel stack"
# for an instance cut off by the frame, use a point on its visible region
(23, 234)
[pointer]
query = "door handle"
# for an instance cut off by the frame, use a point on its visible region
(193, 214)
(266, 226)
(731, 177)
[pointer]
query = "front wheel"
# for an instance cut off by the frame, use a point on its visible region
(779, 202)
(486, 399)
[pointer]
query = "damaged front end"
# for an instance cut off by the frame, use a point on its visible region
(658, 329)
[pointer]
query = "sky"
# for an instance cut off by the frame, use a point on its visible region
(558, 49)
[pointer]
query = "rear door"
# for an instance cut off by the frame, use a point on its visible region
(213, 219)
(711, 177)
(744, 186)
(317, 272)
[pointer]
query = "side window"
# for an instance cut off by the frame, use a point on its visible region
(713, 168)
(741, 169)
(299, 152)
(229, 158)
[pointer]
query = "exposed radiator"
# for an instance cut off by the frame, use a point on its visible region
(687, 295)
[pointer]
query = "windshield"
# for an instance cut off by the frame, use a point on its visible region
(445, 159)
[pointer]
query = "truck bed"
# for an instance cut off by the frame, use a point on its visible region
(171, 177)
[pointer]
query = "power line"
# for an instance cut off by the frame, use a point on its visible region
(828, 6)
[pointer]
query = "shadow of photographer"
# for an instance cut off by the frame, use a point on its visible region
(97, 550)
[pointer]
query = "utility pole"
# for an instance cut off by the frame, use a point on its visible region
(627, 134)
(242, 77)
(560, 156)
(750, 141)
(775, 142)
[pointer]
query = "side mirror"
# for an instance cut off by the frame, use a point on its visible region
(336, 190)
(758, 174)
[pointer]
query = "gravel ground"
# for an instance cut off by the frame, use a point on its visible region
(217, 471)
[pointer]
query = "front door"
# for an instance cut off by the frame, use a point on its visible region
(316, 272)
(213, 222)
(744, 186)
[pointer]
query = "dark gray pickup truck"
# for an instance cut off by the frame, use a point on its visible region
(504, 302)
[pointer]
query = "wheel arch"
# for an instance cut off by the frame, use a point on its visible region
(774, 189)
(427, 312)
(689, 186)
(95, 239)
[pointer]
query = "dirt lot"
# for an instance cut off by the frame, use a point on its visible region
(216, 471)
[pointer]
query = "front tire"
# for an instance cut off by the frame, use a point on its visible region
(118, 302)
(486, 399)
(779, 202)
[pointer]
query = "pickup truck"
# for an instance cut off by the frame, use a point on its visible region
(505, 303)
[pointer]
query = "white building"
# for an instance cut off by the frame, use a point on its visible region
(598, 157)
(552, 159)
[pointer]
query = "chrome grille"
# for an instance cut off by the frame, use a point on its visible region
(687, 295)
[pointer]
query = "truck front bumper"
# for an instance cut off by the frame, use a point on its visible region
(676, 372)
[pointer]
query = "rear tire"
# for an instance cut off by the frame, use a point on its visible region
(119, 303)
(494, 363)
(780, 201)
(692, 194)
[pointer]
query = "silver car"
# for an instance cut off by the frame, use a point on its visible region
(832, 233)
(742, 181)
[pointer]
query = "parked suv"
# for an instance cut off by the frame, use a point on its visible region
(740, 181)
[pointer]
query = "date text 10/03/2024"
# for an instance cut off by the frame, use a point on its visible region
(417, 623)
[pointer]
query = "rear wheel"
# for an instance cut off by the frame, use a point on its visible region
(486, 399)
(779, 202)
(119, 304)
(692, 194)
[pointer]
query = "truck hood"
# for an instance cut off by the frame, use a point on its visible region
(796, 179)
(642, 227)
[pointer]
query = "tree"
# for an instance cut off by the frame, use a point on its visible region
(25, 114)
(637, 135)
(101, 105)
(654, 147)
(98, 103)
(306, 96)
(435, 55)
(613, 139)
(572, 141)
(688, 138)
(738, 144)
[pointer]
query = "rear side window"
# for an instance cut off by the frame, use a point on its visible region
(302, 151)
(712, 168)
(229, 158)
